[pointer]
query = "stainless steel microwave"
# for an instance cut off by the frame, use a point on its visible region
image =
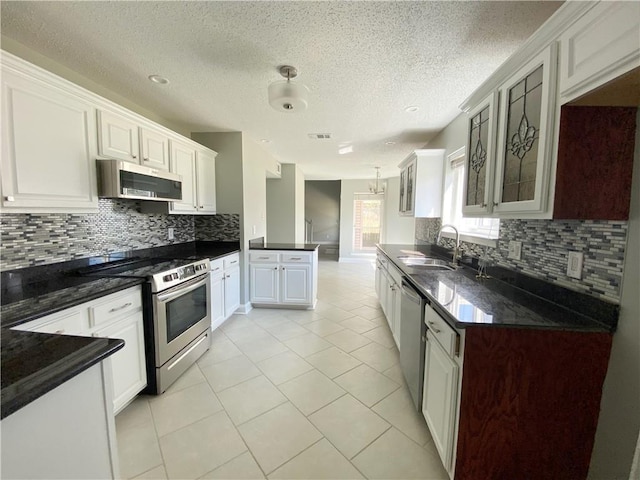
(119, 179)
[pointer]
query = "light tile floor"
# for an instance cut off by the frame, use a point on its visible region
(288, 394)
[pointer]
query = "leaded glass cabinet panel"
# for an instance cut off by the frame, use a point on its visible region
(478, 185)
(526, 129)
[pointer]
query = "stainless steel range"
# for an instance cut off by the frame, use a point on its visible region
(177, 314)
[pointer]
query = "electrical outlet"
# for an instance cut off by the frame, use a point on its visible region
(515, 250)
(170, 233)
(574, 265)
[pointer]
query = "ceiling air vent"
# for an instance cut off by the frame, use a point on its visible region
(320, 136)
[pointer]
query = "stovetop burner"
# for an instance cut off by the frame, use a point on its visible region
(163, 273)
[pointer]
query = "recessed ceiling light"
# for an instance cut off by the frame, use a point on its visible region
(265, 140)
(411, 109)
(389, 143)
(345, 150)
(159, 79)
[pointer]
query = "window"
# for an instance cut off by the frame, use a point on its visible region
(367, 222)
(474, 230)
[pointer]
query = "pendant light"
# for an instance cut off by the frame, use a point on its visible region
(285, 95)
(377, 189)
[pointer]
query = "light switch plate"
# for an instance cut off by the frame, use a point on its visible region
(574, 265)
(515, 250)
(170, 233)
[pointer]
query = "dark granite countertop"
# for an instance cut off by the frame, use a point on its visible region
(52, 298)
(284, 246)
(463, 300)
(32, 364)
(35, 363)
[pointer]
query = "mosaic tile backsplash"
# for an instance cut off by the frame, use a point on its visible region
(545, 246)
(223, 227)
(37, 239)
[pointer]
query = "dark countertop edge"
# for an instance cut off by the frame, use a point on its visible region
(286, 246)
(598, 327)
(67, 370)
(125, 283)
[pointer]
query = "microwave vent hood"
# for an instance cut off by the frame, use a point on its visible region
(120, 179)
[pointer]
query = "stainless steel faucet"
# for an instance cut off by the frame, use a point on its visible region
(457, 253)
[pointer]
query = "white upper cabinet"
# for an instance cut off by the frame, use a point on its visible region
(198, 169)
(480, 161)
(154, 148)
(525, 136)
(48, 143)
(118, 137)
(123, 138)
(600, 46)
(183, 162)
(421, 183)
(206, 181)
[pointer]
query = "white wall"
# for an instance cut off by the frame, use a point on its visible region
(299, 203)
(285, 206)
(619, 422)
(241, 187)
(396, 229)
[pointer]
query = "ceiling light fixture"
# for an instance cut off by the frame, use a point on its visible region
(285, 95)
(377, 189)
(389, 143)
(159, 79)
(265, 140)
(346, 149)
(411, 109)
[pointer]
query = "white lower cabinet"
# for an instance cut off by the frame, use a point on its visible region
(439, 398)
(128, 364)
(288, 278)
(225, 288)
(118, 315)
(388, 288)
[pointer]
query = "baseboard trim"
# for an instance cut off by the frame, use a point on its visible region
(357, 260)
(243, 309)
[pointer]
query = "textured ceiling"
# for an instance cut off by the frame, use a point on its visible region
(364, 62)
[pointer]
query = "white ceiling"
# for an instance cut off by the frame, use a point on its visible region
(364, 62)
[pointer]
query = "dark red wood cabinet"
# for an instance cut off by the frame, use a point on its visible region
(529, 403)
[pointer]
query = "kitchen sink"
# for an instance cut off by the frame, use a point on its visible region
(426, 262)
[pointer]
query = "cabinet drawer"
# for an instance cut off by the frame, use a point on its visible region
(115, 306)
(68, 322)
(217, 266)
(296, 257)
(263, 257)
(446, 336)
(231, 261)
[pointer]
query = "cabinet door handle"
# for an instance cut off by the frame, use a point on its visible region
(228, 276)
(9, 198)
(296, 258)
(495, 204)
(235, 261)
(115, 309)
(275, 268)
(201, 206)
(146, 159)
(133, 155)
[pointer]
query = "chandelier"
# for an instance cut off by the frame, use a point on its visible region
(377, 188)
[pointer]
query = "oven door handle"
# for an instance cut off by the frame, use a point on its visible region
(180, 290)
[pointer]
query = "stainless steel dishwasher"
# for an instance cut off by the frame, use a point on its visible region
(412, 344)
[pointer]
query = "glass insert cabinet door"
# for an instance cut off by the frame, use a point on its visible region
(478, 186)
(526, 130)
(409, 192)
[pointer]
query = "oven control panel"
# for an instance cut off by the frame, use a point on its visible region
(175, 276)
